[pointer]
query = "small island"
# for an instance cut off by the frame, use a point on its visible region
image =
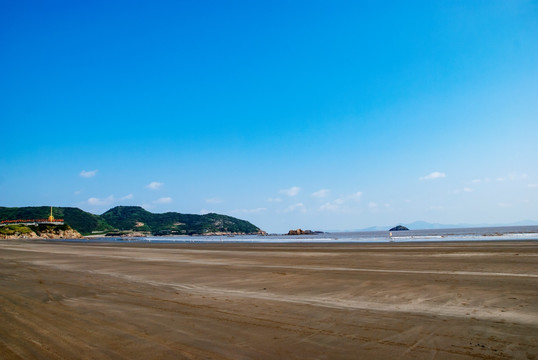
(399, 228)
(304, 232)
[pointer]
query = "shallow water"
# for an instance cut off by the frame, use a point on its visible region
(463, 234)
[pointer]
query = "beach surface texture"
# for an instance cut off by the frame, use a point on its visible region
(458, 300)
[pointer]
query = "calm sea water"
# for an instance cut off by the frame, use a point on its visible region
(464, 234)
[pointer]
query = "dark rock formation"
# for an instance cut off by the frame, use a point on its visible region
(399, 228)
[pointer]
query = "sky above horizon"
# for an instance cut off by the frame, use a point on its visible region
(321, 115)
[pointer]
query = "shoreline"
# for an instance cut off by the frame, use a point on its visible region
(285, 239)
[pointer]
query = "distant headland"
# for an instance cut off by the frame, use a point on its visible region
(32, 222)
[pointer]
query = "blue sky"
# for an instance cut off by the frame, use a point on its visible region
(320, 115)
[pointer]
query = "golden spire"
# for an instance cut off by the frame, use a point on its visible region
(51, 218)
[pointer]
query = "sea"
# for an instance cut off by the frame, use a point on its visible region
(433, 235)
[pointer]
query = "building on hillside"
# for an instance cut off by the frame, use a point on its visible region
(49, 221)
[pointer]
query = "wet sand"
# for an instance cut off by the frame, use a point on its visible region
(262, 301)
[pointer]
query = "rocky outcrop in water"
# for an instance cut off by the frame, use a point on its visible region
(399, 228)
(300, 232)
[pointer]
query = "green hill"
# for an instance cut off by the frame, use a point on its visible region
(134, 218)
(137, 218)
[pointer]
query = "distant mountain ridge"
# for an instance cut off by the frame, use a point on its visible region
(135, 218)
(423, 225)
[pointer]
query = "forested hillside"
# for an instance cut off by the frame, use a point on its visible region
(134, 218)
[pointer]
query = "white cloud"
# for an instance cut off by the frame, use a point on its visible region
(109, 200)
(214, 201)
(101, 202)
(293, 191)
(356, 196)
(155, 185)
(504, 205)
(163, 200)
(205, 211)
(330, 206)
(321, 193)
(296, 207)
(433, 175)
(513, 177)
(337, 203)
(373, 206)
(436, 207)
(249, 211)
(274, 200)
(476, 181)
(334, 205)
(88, 174)
(533, 185)
(464, 190)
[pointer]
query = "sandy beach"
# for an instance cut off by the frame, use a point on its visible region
(473, 300)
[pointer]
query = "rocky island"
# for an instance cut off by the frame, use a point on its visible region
(399, 228)
(303, 232)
